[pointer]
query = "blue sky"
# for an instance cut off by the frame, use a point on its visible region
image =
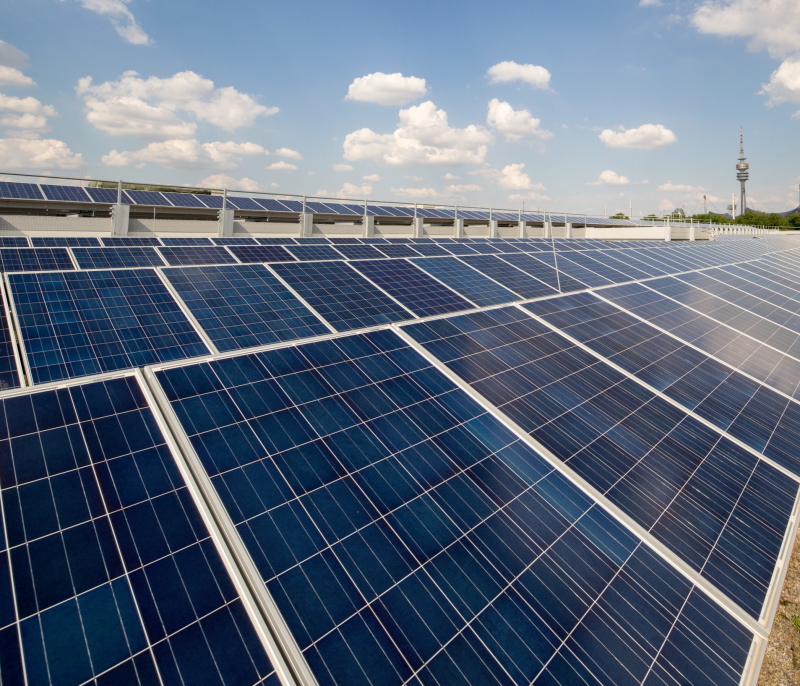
(569, 105)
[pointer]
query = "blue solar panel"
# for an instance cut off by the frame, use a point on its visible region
(64, 193)
(15, 242)
(407, 537)
(241, 306)
(430, 250)
(314, 252)
(214, 254)
(422, 294)
(110, 258)
(398, 250)
(484, 248)
(244, 203)
(463, 279)
(124, 241)
(183, 200)
(316, 240)
(64, 241)
(342, 296)
(292, 205)
(148, 198)
(115, 576)
(78, 323)
(337, 240)
(261, 253)
(9, 371)
(318, 208)
(105, 195)
(511, 277)
(459, 249)
(543, 272)
(646, 456)
(212, 201)
(360, 252)
(273, 205)
(228, 240)
(20, 191)
(277, 241)
(34, 259)
(186, 241)
(374, 241)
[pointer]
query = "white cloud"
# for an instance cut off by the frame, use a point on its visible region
(342, 167)
(446, 177)
(420, 178)
(650, 3)
(282, 166)
(533, 195)
(289, 153)
(31, 115)
(121, 17)
(38, 153)
(415, 192)
(504, 72)
(387, 89)
(511, 176)
(773, 25)
(372, 177)
(225, 181)
(12, 62)
(186, 154)
(9, 76)
(348, 190)
(461, 189)
(423, 136)
(784, 84)
(610, 178)
(514, 124)
(646, 137)
(678, 187)
(147, 108)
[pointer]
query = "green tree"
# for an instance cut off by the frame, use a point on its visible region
(712, 218)
(619, 215)
(794, 220)
(762, 219)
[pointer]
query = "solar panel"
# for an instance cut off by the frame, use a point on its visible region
(359, 252)
(183, 200)
(463, 279)
(398, 250)
(20, 191)
(316, 240)
(484, 248)
(459, 249)
(344, 298)
(215, 254)
(186, 241)
(417, 291)
(646, 456)
(261, 253)
(123, 241)
(314, 252)
(292, 205)
(509, 276)
(78, 323)
(241, 306)
(244, 203)
(213, 202)
(374, 241)
(411, 538)
(115, 576)
(277, 241)
(105, 195)
(543, 272)
(152, 198)
(430, 250)
(63, 241)
(14, 242)
(9, 371)
(64, 193)
(228, 240)
(34, 259)
(111, 258)
(337, 240)
(272, 205)
(318, 208)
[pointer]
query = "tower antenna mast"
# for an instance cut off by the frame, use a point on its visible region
(742, 174)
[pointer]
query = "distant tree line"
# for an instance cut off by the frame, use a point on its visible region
(749, 218)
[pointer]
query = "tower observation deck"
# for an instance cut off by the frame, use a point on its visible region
(742, 174)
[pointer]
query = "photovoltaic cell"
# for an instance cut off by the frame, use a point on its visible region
(115, 576)
(34, 259)
(430, 249)
(422, 294)
(9, 373)
(15, 242)
(544, 272)
(64, 241)
(228, 240)
(183, 200)
(344, 298)
(511, 277)
(64, 193)
(407, 537)
(107, 196)
(128, 241)
(215, 254)
(241, 306)
(463, 279)
(87, 322)
(277, 241)
(20, 191)
(649, 458)
(360, 252)
(111, 258)
(153, 198)
(186, 241)
(398, 250)
(459, 249)
(314, 252)
(261, 253)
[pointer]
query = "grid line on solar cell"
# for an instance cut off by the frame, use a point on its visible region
(88, 322)
(15, 242)
(544, 272)
(10, 372)
(430, 249)
(276, 241)
(699, 494)
(342, 296)
(261, 253)
(412, 287)
(359, 252)
(185, 255)
(64, 193)
(114, 572)
(20, 191)
(186, 241)
(128, 241)
(465, 280)
(64, 241)
(242, 306)
(397, 250)
(508, 275)
(109, 258)
(34, 259)
(234, 240)
(400, 552)
(314, 252)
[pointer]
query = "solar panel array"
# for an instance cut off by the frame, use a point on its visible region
(383, 461)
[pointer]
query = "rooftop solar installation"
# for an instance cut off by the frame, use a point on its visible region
(15, 242)
(34, 259)
(10, 376)
(463, 279)
(64, 241)
(115, 575)
(276, 241)
(430, 250)
(183, 200)
(112, 258)
(398, 250)
(509, 276)
(544, 272)
(186, 241)
(314, 252)
(105, 195)
(151, 198)
(78, 323)
(230, 240)
(64, 193)
(261, 253)
(125, 241)
(241, 306)
(21, 191)
(240, 203)
(214, 254)
(342, 296)
(460, 249)
(360, 252)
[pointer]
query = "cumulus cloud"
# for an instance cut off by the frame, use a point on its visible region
(511, 176)
(387, 89)
(282, 166)
(289, 153)
(38, 153)
(533, 195)
(514, 124)
(679, 187)
(505, 72)
(147, 108)
(650, 3)
(225, 181)
(372, 177)
(420, 178)
(461, 189)
(29, 113)
(121, 18)
(645, 137)
(342, 167)
(784, 84)
(418, 193)
(610, 178)
(12, 62)
(348, 190)
(186, 154)
(773, 25)
(446, 177)
(423, 136)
